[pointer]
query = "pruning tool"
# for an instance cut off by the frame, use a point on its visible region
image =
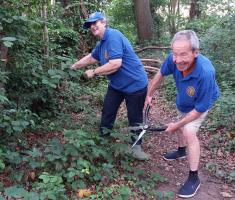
(146, 126)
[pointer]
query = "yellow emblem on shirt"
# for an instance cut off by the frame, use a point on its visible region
(190, 91)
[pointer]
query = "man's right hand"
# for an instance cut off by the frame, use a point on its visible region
(148, 101)
(73, 67)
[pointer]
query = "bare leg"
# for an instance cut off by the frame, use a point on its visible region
(193, 148)
(181, 139)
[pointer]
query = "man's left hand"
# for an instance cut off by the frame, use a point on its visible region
(172, 127)
(89, 73)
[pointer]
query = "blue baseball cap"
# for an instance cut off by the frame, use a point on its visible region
(93, 17)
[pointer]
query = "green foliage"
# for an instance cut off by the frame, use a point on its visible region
(39, 93)
(8, 41)
(51, 187)
(14, 121)
(121, 18)
(20, 192)
(164, 195)
(201, 25)
(217, 44)
(2, 164)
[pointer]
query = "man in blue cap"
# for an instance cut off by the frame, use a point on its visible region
(127, 77)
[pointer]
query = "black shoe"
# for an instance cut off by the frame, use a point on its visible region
(189, 189)
(173, 155)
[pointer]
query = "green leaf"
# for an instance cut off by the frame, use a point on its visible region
(35, 153)
(125, 191)
(8, 44)
(31, 196)
(2, 165)
(15, 192)
(232, 174)
(3, 99)
(9, 39)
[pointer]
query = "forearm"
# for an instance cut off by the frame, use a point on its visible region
(189, 117)
(109, 68)
(155, 83)
(87, 60)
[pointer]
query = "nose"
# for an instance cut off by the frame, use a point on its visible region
(177, 59)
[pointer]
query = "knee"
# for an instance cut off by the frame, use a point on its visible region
(190, 136)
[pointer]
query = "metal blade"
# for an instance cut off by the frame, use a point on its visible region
(139, 137)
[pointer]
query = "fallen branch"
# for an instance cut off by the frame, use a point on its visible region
(151, 69)
(151, 47)
(150, 60)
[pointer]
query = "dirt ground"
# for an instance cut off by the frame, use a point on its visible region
(176, 172)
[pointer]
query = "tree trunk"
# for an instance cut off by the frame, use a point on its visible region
(3, 52)
(3, 61)
(64, 3)
(173, 10)
(144, 20)
(45, 32)
(194, 11)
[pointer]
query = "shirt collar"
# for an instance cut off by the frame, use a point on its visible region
(106, 33)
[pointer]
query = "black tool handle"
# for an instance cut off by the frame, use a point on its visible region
(146, 113)
(157, 128)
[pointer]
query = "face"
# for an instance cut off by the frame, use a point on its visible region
(183, 54)
(98, 28)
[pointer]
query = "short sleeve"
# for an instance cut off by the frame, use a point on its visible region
(205, 93)
(167, 67)
(96, 51)
(115, 47)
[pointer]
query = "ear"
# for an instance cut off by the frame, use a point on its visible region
(196, 52)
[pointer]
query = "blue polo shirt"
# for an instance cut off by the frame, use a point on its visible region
(131, 76)
(198, 90)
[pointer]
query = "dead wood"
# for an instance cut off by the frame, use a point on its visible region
(151, 69)
(151, 60)
(151, 47)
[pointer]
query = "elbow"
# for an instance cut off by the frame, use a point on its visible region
(116, 65)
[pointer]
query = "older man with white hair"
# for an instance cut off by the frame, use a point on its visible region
(197, 90)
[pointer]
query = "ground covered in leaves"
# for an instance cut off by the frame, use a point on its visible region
(214, 162)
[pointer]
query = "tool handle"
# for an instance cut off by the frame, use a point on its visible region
(157, 128)
(146, 113)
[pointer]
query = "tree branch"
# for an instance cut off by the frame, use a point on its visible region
(151, 60)
(151, 69)
(151, 47)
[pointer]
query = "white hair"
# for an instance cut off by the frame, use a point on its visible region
(188, 35)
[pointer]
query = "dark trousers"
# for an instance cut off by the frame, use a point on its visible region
(112, 101)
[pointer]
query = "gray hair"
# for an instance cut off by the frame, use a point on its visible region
(105, 20)
(188, 35)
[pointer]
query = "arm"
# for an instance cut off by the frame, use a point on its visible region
(192, 115)
(108, 68)
(87, 60)
(155, 83)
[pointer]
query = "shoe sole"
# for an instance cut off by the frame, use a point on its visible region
(191, 195)
(167, 159)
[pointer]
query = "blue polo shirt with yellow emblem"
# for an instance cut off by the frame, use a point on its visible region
(198, 90)
(131, 76)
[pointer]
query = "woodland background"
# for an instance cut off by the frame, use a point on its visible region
(49, 116)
